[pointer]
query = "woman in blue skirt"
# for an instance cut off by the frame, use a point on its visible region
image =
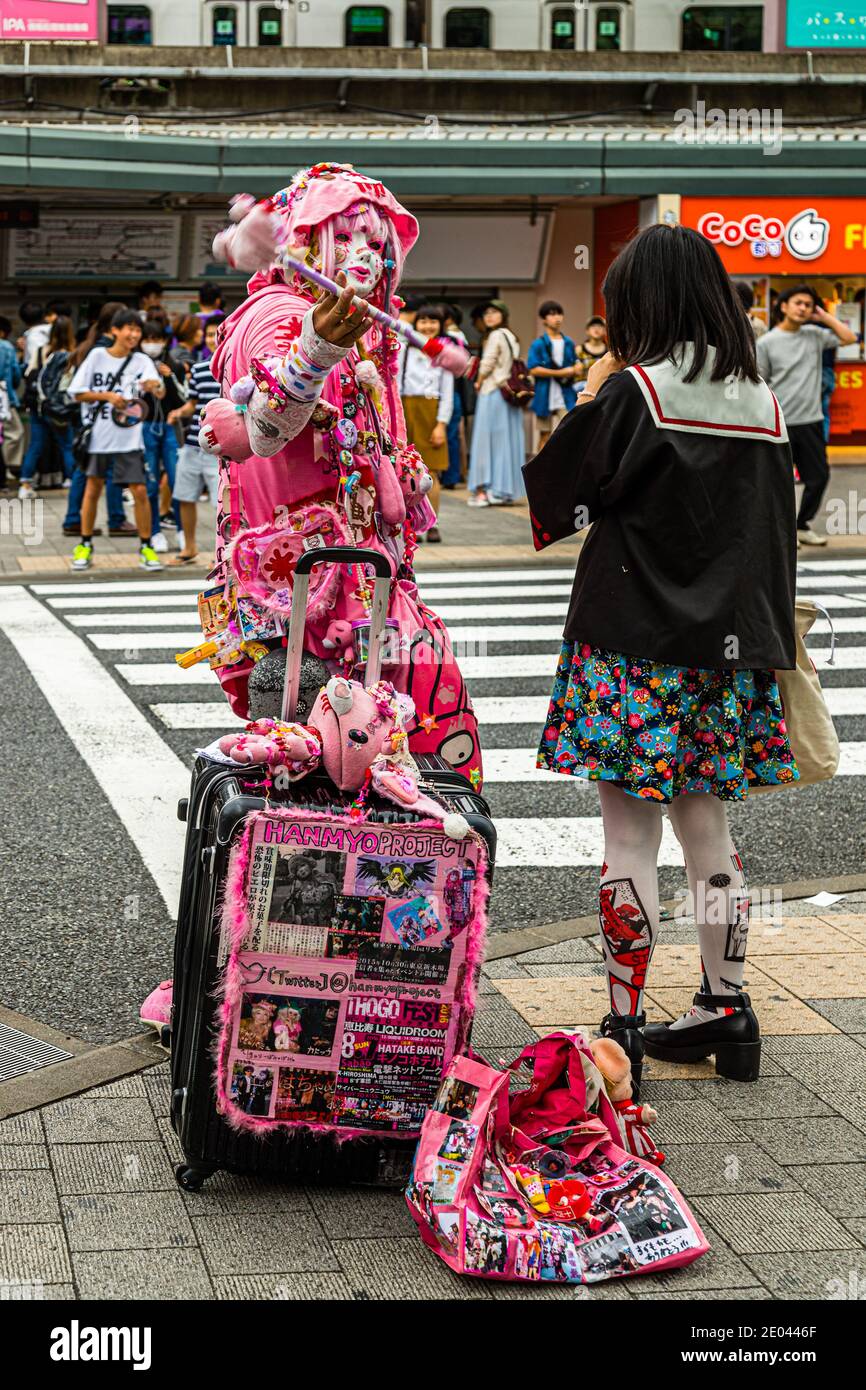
(682, 611)
(498, 449)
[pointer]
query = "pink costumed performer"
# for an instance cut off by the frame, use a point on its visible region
(311, 439)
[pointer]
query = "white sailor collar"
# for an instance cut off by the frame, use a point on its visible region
(732, 407)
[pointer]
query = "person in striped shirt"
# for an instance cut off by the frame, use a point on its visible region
(197, 471)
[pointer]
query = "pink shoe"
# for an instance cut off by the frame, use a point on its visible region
(156, 1010)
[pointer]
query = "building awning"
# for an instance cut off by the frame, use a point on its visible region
(436, 160)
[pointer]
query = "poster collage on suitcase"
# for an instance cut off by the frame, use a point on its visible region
(351, 971)
(496, 1211)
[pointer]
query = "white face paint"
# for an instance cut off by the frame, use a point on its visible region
(359, 254)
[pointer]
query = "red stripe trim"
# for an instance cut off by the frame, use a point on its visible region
(774, 433)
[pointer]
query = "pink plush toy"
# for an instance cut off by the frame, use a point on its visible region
(358, 735)
(338, 640)
(289, 750)
(223, 430)
(415, 483)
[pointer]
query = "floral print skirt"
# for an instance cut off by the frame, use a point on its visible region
(659, 731)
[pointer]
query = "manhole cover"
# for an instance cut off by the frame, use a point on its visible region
(19, 1053)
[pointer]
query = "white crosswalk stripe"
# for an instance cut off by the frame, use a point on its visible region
(178, 641)
(817, 581)
(507, 626)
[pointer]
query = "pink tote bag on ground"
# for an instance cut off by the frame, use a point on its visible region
(537, 1185)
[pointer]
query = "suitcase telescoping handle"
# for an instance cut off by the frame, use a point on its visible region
(334, 555)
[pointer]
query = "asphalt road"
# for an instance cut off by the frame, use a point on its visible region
(91, 849)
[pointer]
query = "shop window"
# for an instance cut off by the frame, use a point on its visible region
(224, 21)
(562, 27)
(734, 28)
(129, 24)
(607, 35)
(467, 29)
(270, 27)
(414, 23)
(368, 26)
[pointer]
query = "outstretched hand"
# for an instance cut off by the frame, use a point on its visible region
(338, 319)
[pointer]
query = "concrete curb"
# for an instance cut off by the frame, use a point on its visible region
(89, 1066)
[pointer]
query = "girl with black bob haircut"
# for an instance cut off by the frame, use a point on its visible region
(667, 287)
(676, 457)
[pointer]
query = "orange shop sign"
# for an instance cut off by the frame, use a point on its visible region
(783, 236)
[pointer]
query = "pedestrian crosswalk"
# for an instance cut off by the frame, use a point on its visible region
(506, 626)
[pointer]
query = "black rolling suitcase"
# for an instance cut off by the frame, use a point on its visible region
(221, 801)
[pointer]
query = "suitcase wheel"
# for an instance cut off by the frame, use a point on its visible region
(191, 1179)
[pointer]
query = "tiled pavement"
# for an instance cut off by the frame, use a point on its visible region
(32, 544)
(775, 1171)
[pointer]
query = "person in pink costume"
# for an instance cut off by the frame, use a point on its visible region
(323, 424)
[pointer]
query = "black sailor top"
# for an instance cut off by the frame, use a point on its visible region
(688, 491)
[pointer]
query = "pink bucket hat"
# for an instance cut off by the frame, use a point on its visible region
(324, 190)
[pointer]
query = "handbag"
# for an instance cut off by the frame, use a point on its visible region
(538, 1185)
(811, 732)
(519, 389)
(81, 442)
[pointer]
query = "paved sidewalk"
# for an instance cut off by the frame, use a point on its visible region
(775, 1171)
(32, 544)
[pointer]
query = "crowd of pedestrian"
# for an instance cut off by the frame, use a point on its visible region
(115, 404)
(474, 432)
(112, 404)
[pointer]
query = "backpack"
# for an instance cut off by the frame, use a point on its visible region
(520, 386)
(54, 403)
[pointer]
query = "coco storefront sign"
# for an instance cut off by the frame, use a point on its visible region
(784, 236)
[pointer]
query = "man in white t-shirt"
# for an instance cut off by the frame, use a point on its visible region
(109, 380)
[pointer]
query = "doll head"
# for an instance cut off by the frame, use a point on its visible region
(615, 1067)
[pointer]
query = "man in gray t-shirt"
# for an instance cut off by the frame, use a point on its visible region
(789, 360)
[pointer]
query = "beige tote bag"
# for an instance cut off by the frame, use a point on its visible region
(810, 729)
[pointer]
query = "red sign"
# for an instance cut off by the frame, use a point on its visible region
(782, 236)
(848, 402)
(49, 21)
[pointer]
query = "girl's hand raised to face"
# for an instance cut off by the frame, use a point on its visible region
(598, 374)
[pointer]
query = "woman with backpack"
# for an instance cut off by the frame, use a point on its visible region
(53, 412)
(682, 612)
(498, 440)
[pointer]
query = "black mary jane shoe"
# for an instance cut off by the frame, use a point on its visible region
(735, 1038)
(625, 1029)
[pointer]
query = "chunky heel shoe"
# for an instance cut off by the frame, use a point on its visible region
(625, 1029)
(739, 1061)
(734, 1039)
